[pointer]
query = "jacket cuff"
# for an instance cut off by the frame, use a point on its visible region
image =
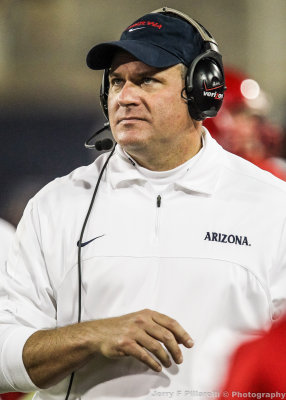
(12, 364)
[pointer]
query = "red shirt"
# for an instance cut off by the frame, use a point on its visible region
(260, 366)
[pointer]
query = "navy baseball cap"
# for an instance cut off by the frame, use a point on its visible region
(158, 40)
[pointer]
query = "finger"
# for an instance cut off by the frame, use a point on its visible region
(154, 347)
(138, 352)
(165, 336)
(173, 326)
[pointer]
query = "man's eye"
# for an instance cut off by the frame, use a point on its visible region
(116, 82)
(147, 80)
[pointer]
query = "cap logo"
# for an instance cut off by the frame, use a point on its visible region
(145, 23)
(136, 29)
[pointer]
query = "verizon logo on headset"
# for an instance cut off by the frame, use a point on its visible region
(209, 92)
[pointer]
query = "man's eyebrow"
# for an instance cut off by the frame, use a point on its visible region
(112, 73)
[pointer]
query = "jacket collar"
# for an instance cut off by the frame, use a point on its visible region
(202, 177)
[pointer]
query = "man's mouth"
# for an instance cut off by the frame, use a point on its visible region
(130, 119)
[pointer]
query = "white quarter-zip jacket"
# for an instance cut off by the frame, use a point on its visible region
(7, 232)
(208, 250)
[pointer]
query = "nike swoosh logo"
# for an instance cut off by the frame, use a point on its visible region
(213, 88)
(135, 29)
(89, 241)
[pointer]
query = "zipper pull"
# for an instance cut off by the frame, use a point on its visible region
(158, 201)
(132, 162)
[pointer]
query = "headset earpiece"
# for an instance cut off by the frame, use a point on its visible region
(205, 87)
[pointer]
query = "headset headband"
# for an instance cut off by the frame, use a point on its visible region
(205, 36)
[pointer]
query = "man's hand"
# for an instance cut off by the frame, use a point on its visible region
(51, 355)
(139, 334)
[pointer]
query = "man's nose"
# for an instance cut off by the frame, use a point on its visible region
(128, 95)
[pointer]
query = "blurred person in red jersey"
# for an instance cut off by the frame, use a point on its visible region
(11, 396)
(242, 126)
(259, 366)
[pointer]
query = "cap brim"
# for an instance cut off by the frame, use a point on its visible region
(101, 55)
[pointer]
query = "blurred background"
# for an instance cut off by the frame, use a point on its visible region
(49, 98)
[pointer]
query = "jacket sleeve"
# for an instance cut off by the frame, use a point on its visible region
(278, 278)
(7, 232)
(27, 302)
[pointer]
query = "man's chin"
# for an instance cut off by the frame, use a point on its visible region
(133, 146)
(132, 140)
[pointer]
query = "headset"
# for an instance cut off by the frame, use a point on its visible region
(204, 82)
(204, 92)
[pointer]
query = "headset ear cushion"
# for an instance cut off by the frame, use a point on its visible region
(205, 89)
(103, 96)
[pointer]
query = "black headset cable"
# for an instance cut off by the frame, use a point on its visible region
(79, 252)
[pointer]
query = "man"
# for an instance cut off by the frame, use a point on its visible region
(182, 245)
